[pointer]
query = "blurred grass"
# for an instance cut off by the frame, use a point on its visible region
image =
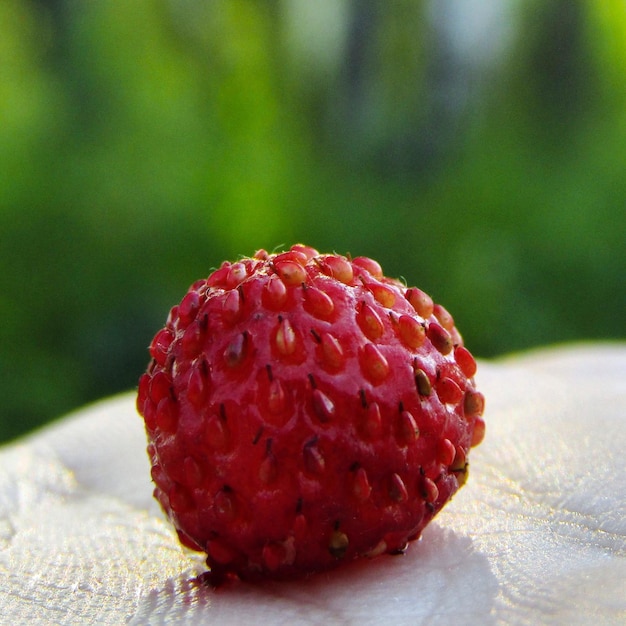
(142, 143)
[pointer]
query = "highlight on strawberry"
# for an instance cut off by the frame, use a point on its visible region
(303, 410)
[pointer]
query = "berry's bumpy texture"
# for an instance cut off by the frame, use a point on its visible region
(303, 410)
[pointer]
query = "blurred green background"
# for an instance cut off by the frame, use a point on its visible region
(476, 148)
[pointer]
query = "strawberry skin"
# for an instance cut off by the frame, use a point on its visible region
(303, 410)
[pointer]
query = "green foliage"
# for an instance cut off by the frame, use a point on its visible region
(143, 142)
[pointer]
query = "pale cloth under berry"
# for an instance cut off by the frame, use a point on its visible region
(537, 536)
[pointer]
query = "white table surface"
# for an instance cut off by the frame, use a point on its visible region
(537, 535)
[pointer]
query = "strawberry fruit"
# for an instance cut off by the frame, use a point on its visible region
(303, 410)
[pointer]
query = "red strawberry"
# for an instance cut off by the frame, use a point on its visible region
(303, 410)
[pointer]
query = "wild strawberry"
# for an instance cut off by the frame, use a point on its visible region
(303, 410)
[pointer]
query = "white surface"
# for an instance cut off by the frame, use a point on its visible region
(537, 536)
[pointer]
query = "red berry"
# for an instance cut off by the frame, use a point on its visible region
(303, 410)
